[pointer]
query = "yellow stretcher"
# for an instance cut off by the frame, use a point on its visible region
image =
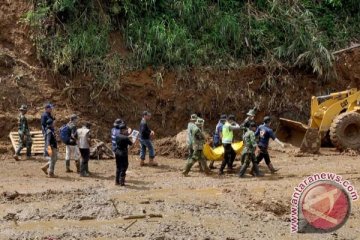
(217, 154)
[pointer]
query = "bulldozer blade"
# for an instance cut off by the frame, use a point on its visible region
(290, 131)
(311, 142)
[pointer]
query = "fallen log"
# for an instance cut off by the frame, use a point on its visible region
(134, 217)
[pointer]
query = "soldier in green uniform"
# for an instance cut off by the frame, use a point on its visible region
(245, 125)
(249, 151)
(198, 144)
(24, 135)
(190, 128)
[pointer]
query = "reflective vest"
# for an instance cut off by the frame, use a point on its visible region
(227, 134)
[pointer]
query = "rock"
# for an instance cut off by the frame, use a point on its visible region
(10, 195)
(181, 140)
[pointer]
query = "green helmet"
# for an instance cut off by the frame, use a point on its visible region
(199, 122)
(193, 117)
(251, 113)
(23, 108)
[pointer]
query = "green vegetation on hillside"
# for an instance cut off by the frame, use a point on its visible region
(73, 35)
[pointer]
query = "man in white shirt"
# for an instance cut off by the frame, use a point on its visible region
(84, 147)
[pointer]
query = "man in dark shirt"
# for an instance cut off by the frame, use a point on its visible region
(121, 154)
(145, 140)
(115, 131)
(264, 132)
(51, 146)
(44, 117)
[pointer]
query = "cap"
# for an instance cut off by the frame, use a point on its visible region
(223, 117)
(193, 117)
(267, 119)
(73, 117)
(146, 113)
(231, 117)
(23, 108)
(49, 105)
(199, 121)
(118, 121)
(122, 126)
(252, 124)
(251, 113)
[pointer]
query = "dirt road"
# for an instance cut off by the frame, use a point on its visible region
(197, 207)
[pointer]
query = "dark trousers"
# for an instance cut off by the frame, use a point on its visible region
(249, 157)
(229, 157)
(122, 164)
(84, 163)
(24, 141)
(263, 155)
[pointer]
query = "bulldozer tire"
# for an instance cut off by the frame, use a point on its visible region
(345, 131)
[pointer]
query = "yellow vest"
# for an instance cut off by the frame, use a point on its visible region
(227, 134)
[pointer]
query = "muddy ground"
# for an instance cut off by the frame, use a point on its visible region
(33, 206)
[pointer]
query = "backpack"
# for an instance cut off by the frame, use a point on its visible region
(65, 134)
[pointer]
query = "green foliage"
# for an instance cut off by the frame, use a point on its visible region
(73, 35)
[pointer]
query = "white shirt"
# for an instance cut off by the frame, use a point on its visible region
(83, 137)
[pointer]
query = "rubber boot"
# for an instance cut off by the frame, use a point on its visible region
(272, 169)
(204, 166)
(211, 165)
(83, 172)
(243, 169)
(256, 171)
(186, 170)
(122, 181)
(45, 168)
(117, 178)
(77, 165)
(201, 169)
(67, 164)
(87, 168)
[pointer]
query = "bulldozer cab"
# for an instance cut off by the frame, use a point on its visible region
(324, 109)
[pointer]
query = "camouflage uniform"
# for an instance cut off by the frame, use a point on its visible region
(190, 139)
(24, 136)
(197, 156)
(249, 153)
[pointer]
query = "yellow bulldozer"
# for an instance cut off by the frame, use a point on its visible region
(334, 120)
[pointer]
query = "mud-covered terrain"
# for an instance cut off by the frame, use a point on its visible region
(33, 206)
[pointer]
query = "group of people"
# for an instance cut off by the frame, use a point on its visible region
(78, 141)
(121, 140)
(255, 141)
